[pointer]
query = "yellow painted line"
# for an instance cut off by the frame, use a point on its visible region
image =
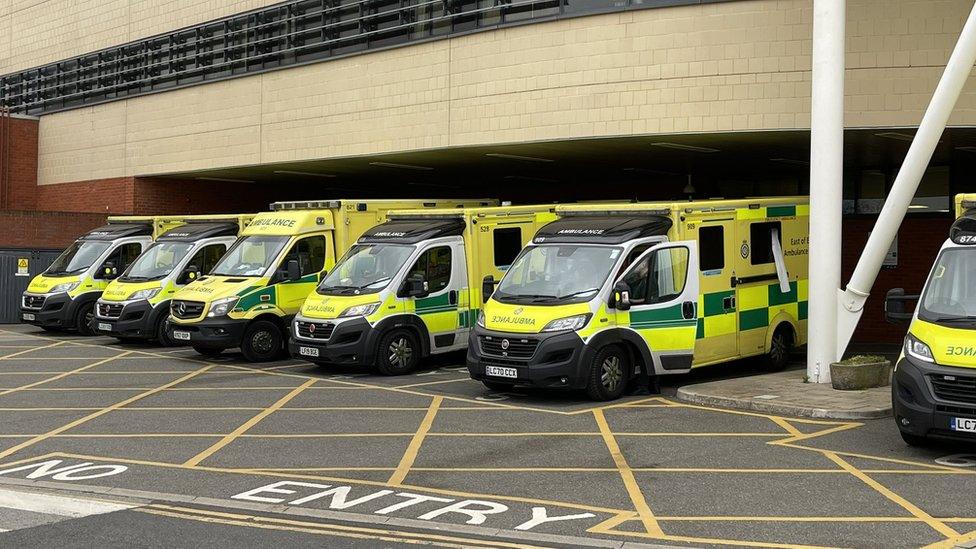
(433, 383)
(62, 375)
(311, 469)
(328, 435)
(99, 413)
(789, 519)
(48, 409)
(358, 532)
(627, 475)
(248, 424)
(32, 349)
(786, 425)
(410, 454)
(922, 464)
(756, 414)
(883, 490)
(816, 434)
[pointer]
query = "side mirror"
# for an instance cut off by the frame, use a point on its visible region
(109, 271)
(487, 288)
(415, 286)
(620, 297)
(293, 270)
(189, 274)
(896, 309)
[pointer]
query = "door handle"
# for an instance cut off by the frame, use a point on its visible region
(688, 310)
(452, 297)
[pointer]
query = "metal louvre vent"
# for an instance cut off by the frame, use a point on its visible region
(109, 310)
(186, 309)
(954, 388)
(511, 348)
(315, 330)
(33, 301)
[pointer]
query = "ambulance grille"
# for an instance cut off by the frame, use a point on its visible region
(954, 388)
(33, 301)
(109, 310)
(516, 347)
(187, 309)
(315, 330)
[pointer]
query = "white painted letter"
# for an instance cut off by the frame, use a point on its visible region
(276, 489)
(414, 499)
(477, 516)
(76, 473)
(45, 468)
(539, 516)
(339, 495)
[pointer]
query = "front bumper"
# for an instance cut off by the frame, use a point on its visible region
(347, 343)
(914, 400)
(58, 311)
(557, 361)
(221, 333)
(137, 320)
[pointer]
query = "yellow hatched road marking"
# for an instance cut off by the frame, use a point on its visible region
(32, 349)
(410, 455)
(248, 424)
(62, 375)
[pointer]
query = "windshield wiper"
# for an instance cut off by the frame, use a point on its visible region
(574, 294)
(364, 286)
(960, 318)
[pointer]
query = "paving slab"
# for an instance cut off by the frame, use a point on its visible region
(787, 393)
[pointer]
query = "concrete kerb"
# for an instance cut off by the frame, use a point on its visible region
(143, 498)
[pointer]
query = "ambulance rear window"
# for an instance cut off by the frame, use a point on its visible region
(507, 244)
(711, 242)
(761, 240)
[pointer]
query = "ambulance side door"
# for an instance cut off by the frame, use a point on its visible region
(718, 324)
(499, 243)
(441, 268)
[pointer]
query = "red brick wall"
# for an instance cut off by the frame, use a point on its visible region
(44, 230)
(18, 151)
(919, 240)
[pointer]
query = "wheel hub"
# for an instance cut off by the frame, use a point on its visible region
(262, 342)
(400, 353)
(610, 373)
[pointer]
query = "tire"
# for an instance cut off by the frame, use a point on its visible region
(162, 338)
(84, 318)
(609, 373)
(262, 342)
(498, 386)
(913, 440)
(208, 351)
(780, 346)
(397, 353)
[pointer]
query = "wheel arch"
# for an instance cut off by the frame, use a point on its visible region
(406, 321)
(635, 345)
(782, 320)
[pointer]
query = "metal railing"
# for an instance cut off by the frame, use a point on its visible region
(284, 35)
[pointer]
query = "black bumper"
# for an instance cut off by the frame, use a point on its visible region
(138, 321)
(348, 344)
(58, 311)
(559, 360)
(210, 333)
(913, 400)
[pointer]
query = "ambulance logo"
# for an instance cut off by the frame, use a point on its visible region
(518, 311)
(505, 344)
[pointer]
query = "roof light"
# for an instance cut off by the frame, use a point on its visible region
(519, 157)
(683, 147)
(401, 166)
(305, 205)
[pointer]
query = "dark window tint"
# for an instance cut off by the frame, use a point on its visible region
(310, 254)
(434, 266)
(207, 257)
(124, 255)
(508, 244)
(637, 280)
(711, 254)
(761, 241)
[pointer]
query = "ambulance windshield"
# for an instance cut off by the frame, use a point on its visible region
(78, 257)
(950, 294)
(365, 268)
(158, 261)
(557, 273)
(250, 256)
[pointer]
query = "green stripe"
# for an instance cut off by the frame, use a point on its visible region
(248, 289)
(467, 319)
(436, 310)
(443, 300)
(776, 297)
(656, 315)
(801, 312)
(780, 211)
(755, 318)
(664, 324)
(713, 302)
(254, 299)
(700, 334)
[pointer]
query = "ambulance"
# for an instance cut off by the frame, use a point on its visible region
(411, 287)
(607, 291)
(136, 304)
(248, 299)
(933, 388)
(63, 296)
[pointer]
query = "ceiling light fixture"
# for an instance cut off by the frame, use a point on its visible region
(791, 161)
(225, 179)
(683, 147)
(401, 166)
(896, 136)
(308, 174)
(519, 157)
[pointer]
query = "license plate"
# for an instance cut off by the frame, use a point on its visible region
(498, 371)
(104, 327)
(963, 424)
(182, 336)
(308, 351)
(28, 316)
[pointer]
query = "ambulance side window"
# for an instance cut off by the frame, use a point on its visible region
(207, 257)
(310, 254)
(434, 266)
(124, 255)
(507, 245)
(711, 251)
(634, 254)
(637, 280)
(761, 241)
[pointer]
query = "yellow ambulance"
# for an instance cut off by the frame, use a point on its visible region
(933, 389)
(411, 287)
(608, 290)
(63, 296)
(248, 299)
(136, 304)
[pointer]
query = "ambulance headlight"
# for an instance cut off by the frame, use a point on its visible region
(917, 349)
(143, 294)
(481, 319)
(361, 310)
(66, 287)
(568, 323)
(223, 306)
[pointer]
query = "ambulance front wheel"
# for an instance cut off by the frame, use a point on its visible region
(84, 318)
(263, 341)
(162, 338)
(398, 353)
(609, 373)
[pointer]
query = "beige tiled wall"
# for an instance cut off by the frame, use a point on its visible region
(709, 68)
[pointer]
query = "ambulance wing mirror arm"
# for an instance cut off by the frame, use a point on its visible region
(896, 311)
(620, 296)
(109, 271)
(487, 287)
(782, 275)
(414, 286)
(189, 274)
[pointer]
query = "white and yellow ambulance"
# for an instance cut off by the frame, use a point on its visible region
(933, 389)
(63, 296)
(411, 287)
(136, 304)
(608, 290)
(248, 299)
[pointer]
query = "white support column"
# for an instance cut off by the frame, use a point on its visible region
(851, 301)
(826, 184)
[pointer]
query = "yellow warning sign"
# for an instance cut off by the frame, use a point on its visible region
(23, 267)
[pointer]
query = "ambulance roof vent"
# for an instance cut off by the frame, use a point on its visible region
(305, 205)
